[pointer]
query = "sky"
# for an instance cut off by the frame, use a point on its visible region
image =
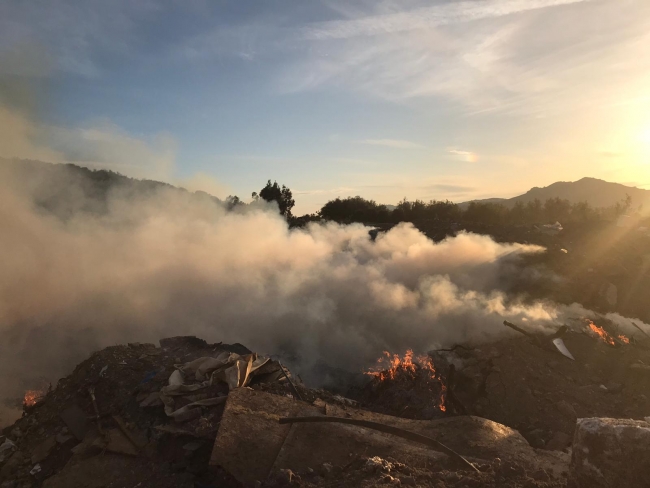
(442, 99)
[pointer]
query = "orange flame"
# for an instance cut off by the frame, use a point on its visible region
(602, 334)
(426, 362)
(623, 339)
(392, 365)
(32, 397)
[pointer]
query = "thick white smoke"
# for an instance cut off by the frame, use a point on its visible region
(173, 263)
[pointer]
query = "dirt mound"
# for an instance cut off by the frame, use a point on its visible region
(111, 404)
(535, 390)
(141, 415)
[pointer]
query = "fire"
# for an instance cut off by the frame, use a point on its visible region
(390, 366)
(426, 363)
(623, 339)
(602, 334)
(32, 397)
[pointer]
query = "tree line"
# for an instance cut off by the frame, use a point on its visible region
(358, 209)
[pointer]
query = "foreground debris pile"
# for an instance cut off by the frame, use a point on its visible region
(525, 382)
(192, 414)
(159, 406)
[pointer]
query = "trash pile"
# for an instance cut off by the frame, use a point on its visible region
(160, 406)
(538, 385)
(193, 414)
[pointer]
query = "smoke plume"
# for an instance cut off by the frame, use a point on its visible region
(170, 262)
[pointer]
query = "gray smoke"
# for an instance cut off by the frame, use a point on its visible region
(173, 263)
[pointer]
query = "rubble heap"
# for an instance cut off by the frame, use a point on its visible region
(526, 383)
(193, 414)
(159, 405)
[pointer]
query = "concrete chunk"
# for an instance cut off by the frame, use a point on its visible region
(610, 453)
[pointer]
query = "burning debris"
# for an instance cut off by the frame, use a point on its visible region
(602, 334)
(395, 374)
(32, 397)
(35, 396)
(190, 413)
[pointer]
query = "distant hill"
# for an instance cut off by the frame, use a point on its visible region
(597, 193)
(66, 190)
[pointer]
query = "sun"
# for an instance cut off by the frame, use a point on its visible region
(644, 136)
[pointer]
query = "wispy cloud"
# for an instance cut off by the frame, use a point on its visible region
(535, 63)
(75, 33)
(393, 143)
(468, 156)
(425, 17)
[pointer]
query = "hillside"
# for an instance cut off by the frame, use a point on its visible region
(67, 189)
(597, 193)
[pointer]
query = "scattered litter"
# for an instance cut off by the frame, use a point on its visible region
(35, 469)
(559, 343)
(102, 372)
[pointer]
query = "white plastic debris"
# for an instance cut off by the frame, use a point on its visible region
(559, 344)
(35, 469)
(102, 372)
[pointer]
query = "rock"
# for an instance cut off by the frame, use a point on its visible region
(62, 438)
(43, 450)
(610, 453)
(566, 409)
(7, 446)
(558, 441)
(536, 438)
(10, 467)
(540, 475)
(407, 480)
(193, 446)
(325, 469)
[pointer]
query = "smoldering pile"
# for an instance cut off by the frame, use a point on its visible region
(113, 264)
(190, 413)
(407, 386)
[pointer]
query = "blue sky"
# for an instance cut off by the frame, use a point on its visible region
(385, 99)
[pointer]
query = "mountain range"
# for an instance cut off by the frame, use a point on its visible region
(50, 185)
(597, 193)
